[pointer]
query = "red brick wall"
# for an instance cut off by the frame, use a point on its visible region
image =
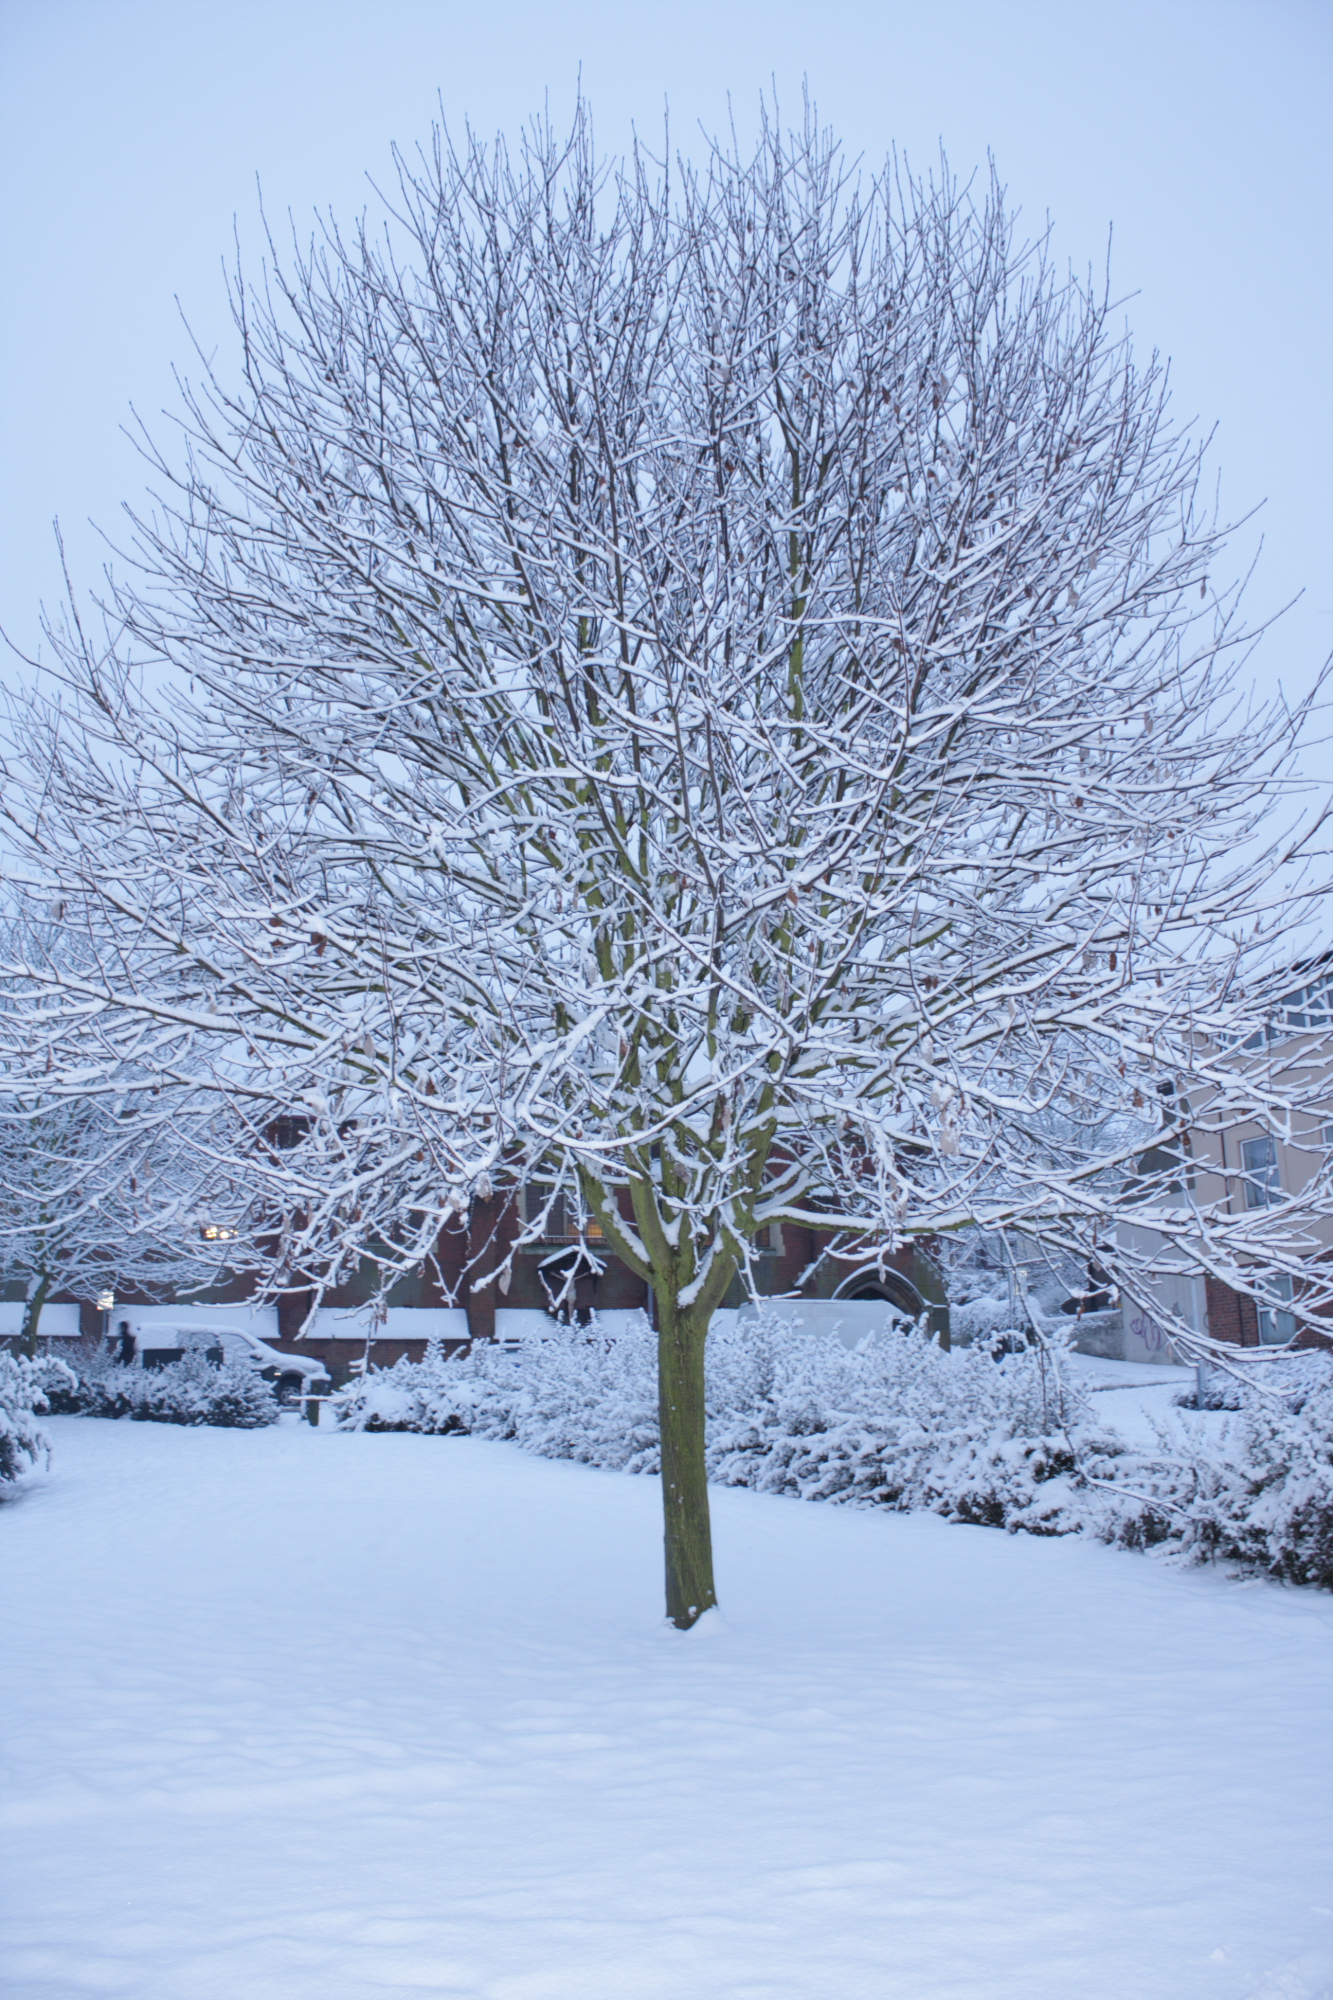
(1231, 1316)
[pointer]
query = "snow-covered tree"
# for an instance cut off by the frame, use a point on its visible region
(102, 1189)
(705, 690)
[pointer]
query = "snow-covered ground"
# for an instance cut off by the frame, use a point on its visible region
(1130, 1397)
(318, 1716)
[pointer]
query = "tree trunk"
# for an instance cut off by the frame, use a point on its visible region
(680, 1393)
(32, 1313)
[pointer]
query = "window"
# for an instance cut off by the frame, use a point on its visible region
(1309, 1007)
(1258, 1159)
(1276, 1327)
(1305, 1007)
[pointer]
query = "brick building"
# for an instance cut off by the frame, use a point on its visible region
(567, 1276)
(450, 1298)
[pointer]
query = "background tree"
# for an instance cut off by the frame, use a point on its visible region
(705, 692)
(102, 1189)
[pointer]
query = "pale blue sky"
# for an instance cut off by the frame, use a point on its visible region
(132, 131)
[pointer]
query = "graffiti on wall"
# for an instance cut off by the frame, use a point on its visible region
(1149, 1333)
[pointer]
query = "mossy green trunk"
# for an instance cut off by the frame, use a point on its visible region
(680, 1391)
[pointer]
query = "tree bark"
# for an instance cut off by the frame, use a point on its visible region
(484, 1254)
(32, 1313)
(681, 1338)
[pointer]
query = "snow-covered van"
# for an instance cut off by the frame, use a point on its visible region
(152, 1336)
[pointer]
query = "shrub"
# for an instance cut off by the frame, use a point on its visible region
(986, 1320)
(193, 1390)
(23, 1442)
(1258, 1492)
(897, 1423)
(894, 1422)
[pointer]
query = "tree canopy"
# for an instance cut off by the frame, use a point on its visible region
(704, 687)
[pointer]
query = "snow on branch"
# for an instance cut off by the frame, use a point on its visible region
(720, 697)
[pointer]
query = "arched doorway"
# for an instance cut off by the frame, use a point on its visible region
(889, 1286)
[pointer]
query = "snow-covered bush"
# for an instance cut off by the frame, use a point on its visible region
(1259, 1492)
(193, 1390)
(575, 1394)
(986, 1320)
(23, 1442)
(1222, 1391)
(896, 1422)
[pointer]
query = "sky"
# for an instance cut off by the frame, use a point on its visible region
(1195, 134)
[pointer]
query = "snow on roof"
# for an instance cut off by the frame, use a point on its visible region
(56, 1323)
(259, 1321)
(398, 1323)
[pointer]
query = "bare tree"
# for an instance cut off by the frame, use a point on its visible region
(103, 1185)
(703, 689)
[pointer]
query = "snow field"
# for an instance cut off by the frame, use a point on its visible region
(293, 1714)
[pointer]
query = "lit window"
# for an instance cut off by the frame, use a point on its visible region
(1258, 1159)
(215, 1233)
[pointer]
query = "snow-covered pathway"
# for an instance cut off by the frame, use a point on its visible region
(307, 1717)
